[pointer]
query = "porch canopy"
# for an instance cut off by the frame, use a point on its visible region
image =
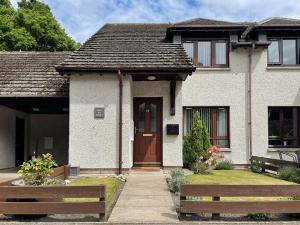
(140, 50)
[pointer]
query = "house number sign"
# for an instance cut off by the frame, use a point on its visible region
(99, 113)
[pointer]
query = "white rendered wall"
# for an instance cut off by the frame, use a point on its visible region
(8, 134)
(224, 87)
(172, 144)
(55, 126)
(93, 143)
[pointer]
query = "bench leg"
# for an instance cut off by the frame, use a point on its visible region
(216, 216)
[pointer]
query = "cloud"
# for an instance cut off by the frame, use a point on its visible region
(82, 18)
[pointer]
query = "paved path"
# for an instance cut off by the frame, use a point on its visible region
(144, 199)
(8, 174)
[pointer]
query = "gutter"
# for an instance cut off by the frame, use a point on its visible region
(120, 78)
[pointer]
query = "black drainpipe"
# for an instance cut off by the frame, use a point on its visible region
(120, 119)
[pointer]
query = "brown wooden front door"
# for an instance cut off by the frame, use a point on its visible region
(148, 131)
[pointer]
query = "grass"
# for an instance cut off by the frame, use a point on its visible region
(112, 185)
(237, 177)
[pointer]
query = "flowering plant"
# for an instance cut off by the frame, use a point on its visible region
(215, 155)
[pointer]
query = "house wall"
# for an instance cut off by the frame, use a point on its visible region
(271, 87)
(7, 135)
(172, 144)
(55, 126)
(93, 143)
(228, 87)
(224, 87)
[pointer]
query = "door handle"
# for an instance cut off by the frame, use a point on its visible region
(135, 129)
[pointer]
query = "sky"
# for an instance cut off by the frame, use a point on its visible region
(82, 18)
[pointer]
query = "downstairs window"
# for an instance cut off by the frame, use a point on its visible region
(283, 125)
(216, 120)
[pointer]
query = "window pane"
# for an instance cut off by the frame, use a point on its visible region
(222, 122)
(273, 52)
(274, 123)
(221, 53)
(188, 120)
(204, 53)
(289, 126)
(289, 52)
(189, 49)
(206, 117)
(153, 113)
(141, 117)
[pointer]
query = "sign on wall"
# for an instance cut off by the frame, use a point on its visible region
(99, 112)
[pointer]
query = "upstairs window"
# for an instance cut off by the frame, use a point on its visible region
(207, 53)
(283, 52)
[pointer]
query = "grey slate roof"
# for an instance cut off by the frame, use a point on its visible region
(32, 74)
(129, 47)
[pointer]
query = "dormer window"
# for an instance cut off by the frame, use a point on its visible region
(283, 52)
(207, 53)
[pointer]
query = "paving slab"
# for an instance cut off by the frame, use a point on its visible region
(145, 199)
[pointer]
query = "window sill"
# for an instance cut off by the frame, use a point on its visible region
(213, 69)
(225, 149)
(283, 67)
(284, 149)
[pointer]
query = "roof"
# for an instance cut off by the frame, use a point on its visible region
(129, 47)
(32, 74)
(279, 21)
(202, 22)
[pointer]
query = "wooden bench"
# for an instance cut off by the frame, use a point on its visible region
(274, 164)
(238, 207)
(27, 193)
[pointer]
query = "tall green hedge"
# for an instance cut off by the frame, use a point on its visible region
(196, 143)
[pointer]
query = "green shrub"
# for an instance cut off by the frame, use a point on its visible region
(256, 167)
(200, 168)
(196, 143)
(53, 181)
(177, 178)
(259, 216)
(37, 170)
(289, 174)
(224, 165)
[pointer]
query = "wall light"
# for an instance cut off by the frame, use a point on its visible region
(151, 78)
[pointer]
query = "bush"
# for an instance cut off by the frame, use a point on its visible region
(224, 165)
(177, 178)
(196, 143)
(259, 216)
(37, 170)
(200, 168)
(256, 167)
(289, 174)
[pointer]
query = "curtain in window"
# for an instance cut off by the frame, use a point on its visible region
(289, 52)
(189, 49)
(204, 53)
(273, 52)
(220, 53)
(206, 117)
(222, 126)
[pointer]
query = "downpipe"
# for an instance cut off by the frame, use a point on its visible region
(120, 78)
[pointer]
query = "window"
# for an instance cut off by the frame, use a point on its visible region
(207, 53)
(216, 120)
(283, 52)
(284, 126)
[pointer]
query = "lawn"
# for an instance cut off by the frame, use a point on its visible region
(237, 177)
(112, 185)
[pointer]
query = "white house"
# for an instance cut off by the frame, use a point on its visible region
(133, 90)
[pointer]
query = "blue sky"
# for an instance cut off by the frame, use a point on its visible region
(82, 18)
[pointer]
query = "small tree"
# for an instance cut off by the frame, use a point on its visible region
(196, 143)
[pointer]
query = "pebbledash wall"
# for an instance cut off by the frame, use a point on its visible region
(94, 142)
(271, 86)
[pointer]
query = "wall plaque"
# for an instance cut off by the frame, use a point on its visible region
(99, 113)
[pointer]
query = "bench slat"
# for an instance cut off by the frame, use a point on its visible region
(240, 207)
(52, 192)
(51, 208)
(240, 190)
